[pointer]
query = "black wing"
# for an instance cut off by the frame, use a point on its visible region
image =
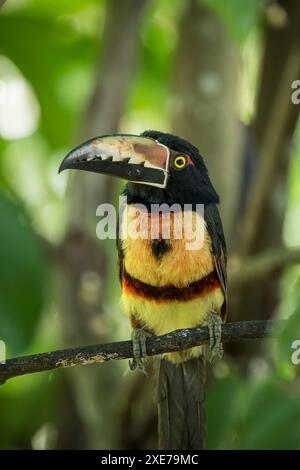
(120, 252)
(215, 230)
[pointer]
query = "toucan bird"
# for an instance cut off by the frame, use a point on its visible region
(167, 282)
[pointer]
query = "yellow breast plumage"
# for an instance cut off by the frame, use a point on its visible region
(170, 291)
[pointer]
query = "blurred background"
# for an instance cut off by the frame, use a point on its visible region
(218, 73)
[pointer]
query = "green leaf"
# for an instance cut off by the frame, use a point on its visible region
(239, 18)
(272, 418)
(283, 348)
(22, 278)
(50, 8)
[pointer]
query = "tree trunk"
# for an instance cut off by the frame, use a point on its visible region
(280, 66)
(204, 107)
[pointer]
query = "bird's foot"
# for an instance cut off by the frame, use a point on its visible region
(139, 338)
(214, 324)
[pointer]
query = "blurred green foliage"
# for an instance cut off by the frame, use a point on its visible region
(239, 18)
(51, 55)
(260, 411)
(53, 46)
(22, 279)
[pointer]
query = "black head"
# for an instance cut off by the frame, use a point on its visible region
(187, 185)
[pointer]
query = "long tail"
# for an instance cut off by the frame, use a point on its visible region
(180, 390)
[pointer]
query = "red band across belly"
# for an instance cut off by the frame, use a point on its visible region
(196, 289)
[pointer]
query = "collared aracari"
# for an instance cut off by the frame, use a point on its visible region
(166, 286)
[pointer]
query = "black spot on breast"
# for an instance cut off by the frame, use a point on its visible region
(159, 247)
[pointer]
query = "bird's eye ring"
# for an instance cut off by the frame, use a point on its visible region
(180, 162)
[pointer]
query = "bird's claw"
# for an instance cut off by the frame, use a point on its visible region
(139, 337)
(214, 324)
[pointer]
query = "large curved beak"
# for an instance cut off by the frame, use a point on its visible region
(134, 158)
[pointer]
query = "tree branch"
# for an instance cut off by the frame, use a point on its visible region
(171, 342)
(262, 185)
(261, 266)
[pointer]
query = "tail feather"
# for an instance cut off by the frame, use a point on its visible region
(180, 400)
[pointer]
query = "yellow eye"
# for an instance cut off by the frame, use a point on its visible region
(180, 161)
